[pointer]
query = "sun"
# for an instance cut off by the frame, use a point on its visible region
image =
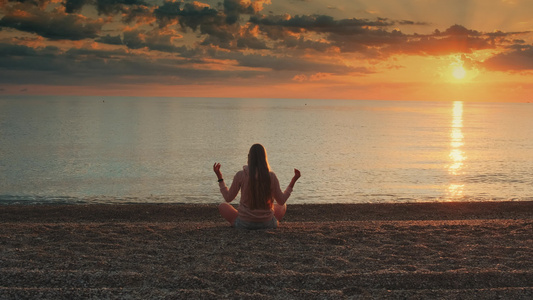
(459, 72)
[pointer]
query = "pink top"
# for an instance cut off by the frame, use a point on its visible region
(240, 182)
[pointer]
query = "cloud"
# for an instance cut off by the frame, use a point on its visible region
(19, 59)
(32, 2)
(368, 42)
(72, 6)
(234, 8)
(105, 7)
(317, 23)
(134, 39)
(408, 22)
(138, 14)
(208, 21)
(109, 7)
(54, 25)
(111, 40)
(192, 15)
(519, 58)
(456, 39)
(301, 42)
(440, 46)
(249, 41)
(15, 50)
(287, 63)
(88, 66)
(153, 40)
(457, 30)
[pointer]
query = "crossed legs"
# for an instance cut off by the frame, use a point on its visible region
(279, 211)
(229, 212)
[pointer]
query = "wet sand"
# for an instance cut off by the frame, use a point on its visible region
(177, 251)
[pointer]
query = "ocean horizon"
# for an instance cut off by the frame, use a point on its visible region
(69, 149)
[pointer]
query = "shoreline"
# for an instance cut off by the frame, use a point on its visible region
(356, 251)
(179, 212)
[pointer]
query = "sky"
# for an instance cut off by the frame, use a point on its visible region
(442, 50)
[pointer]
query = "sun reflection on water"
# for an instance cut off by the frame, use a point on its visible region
(457, 155)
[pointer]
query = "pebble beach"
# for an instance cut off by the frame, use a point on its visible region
(447, 250)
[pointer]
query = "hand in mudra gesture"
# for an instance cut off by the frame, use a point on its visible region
(216, 169)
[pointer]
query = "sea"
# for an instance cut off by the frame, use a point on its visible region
(70, 149)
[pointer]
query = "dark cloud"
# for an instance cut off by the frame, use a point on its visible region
(293, 64)
(455, 39)
(16, 59)
(348, 35)
(345, 34)
(458, 30)
(32, 2)
(132, 10)
(53, 25)
(440, 46)
(286, 63)
(111, 40)
(153, 40)
(93, 66)
(234, 8)
(167, 13)
(85, 53)
(250, 41)
(74, 5)
(138, 14)
(318, 23)
(519, 58)
(192, 15)
(302, 43)
(408, 22)
(15, 50)
(109, 7)
(106, 7)
(205, 20)
(133, 39)
(368, 42)
(372, 37)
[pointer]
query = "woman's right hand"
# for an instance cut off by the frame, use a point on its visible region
(216, 169)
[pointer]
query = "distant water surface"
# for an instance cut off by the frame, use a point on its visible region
(116, 150)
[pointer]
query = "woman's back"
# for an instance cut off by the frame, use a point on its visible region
(246, 210)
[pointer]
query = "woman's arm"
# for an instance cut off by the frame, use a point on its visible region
(231, 193)
(295, 178)
(279, 196)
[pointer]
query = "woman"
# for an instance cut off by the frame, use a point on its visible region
(259, 188)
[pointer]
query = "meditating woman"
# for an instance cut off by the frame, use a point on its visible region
(262, 202)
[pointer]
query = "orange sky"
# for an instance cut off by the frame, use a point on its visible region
(341, 49)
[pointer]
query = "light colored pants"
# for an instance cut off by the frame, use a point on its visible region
(272, 224)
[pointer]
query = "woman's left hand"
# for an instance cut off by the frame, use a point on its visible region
(216, 169)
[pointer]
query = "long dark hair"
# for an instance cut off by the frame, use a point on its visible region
(259, 178)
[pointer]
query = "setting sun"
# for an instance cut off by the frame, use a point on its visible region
(459, 72)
